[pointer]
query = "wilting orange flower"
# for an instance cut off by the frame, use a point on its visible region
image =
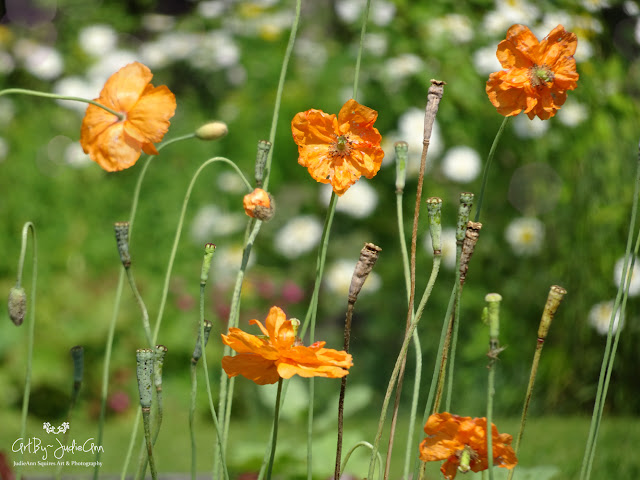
(537, 75)
(462, 442)
(338, 150)
(259, 204)
(280, 354)
(115, 144)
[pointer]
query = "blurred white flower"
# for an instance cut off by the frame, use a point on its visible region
(485, 60)
(382, 13)
(215, 50)
(376, 44)
(97, 39)
(551, 20)
(359, 201)
(411, 130)
(631, 8)
(461, 164)
(75, 157)
(41, 61)
(314, 53)
(572, 114)
(525, 235)
(448, 240)
(4, 149)
(75, 87)
(350, 11)
(108, 64)
(7, 64)
(210, 223)
(584, 51)
(338, 279)
(600, 317)
(634, 286)
(595, 5)
(455, 27)
(507, 13)
(230, 182)
(525, 128)
(403, 66)
(156, 22)
(211, 8)
(154, 54)
(298, 236)
(226, 262)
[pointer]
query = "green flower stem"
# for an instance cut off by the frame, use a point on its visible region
(487, 166)
(554, 298)
(34, 93)
(274, 438)
(493, 318)
(283, 76)
(143, 308)
(310, 319)
(354, 448)
(401, 357)
(146, 420)
(610, 351)
(363, 32)
(29, 226)
(227, 384)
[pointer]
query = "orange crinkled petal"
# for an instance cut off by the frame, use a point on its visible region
(253, 367)
(124, 88)
(113, 149)
(150, 115)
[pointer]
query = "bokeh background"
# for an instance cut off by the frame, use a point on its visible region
(556, 210)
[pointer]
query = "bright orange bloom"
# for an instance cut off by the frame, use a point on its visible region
(259, 204)
(280, 354)
(462, 442)
(338, 150)
(537, 75)
(115, 144)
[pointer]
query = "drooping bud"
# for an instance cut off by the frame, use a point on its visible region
(368, 257)
(144, 372)
(264, 146)
(434, 208)
(402, 154)
(259, 204)
(197, 351)
(17, 305)
(212, 131)
(122, 238)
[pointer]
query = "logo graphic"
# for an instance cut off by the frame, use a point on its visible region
(50, 429)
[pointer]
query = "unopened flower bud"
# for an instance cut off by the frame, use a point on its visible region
(209, 248)
(264, 146)
(122, 238)
(556, 294)
(434, 207)
(259, 204)
(158, 362)
(212, 131)
(144, 372)
(402, 154)
(466, 202)
(197, 351)
(17, 305)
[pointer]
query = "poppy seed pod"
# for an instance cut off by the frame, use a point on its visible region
(212, 131)
(17, 305)
(259, 204)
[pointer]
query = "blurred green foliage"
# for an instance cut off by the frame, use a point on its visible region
(592, 164)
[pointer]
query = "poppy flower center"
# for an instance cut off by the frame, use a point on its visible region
(540, 75)
(342, 146)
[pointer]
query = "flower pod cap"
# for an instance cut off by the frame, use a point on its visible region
(212, 131)
(17, 305)
(259, 204)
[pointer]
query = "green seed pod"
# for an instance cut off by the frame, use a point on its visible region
(212, 131)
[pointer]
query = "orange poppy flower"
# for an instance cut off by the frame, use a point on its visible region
(115, 144)
(537, 75)
(338, 150)
(462, 442)
(280, 354)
